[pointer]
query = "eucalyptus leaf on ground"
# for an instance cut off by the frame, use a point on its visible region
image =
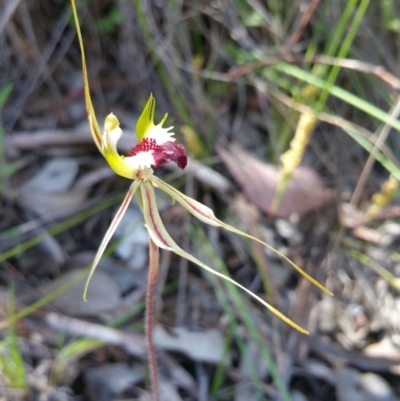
(259, 181)
(50, 192)
(209, 343)
(104, 294)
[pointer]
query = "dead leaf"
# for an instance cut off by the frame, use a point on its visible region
(109, 381)
(355, 386)
(259, 181)
(49, 191)
(384, 349)
(348, 385)
(103, 294)
(167, 390)
(204, 346)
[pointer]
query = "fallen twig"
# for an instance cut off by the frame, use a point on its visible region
(132, 343)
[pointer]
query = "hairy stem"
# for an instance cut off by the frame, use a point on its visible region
(151, 284)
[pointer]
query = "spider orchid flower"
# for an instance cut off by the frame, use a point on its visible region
(156, 146)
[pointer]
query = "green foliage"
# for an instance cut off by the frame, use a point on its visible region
(6, 169)
(5, 92)
(11, 362)
(70, 353)
(109, 22)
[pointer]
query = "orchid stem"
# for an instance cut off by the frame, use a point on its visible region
(149, 319)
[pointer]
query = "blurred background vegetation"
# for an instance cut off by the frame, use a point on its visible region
(244, 82)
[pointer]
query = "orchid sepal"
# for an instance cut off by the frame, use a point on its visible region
(206, 215)
(113, 226)
(156, 144)
(162, 239)
(93, 124)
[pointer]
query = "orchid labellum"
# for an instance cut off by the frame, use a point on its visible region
(156, 146)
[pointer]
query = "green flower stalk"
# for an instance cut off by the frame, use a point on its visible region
(156, 146)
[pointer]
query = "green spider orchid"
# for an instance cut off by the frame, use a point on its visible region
(156, 146)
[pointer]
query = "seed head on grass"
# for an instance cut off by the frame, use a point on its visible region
(384, 196)
(293, 157)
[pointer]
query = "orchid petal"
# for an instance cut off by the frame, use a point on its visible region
(206, 215)
(113, 226)
(162, 239)
(94, 126)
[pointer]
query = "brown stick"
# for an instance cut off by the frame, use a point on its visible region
(149, 319)
(304, 20)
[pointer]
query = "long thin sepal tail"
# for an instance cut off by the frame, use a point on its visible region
(162, 239)
(113, 226)
(94, 126)
(206, 215)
